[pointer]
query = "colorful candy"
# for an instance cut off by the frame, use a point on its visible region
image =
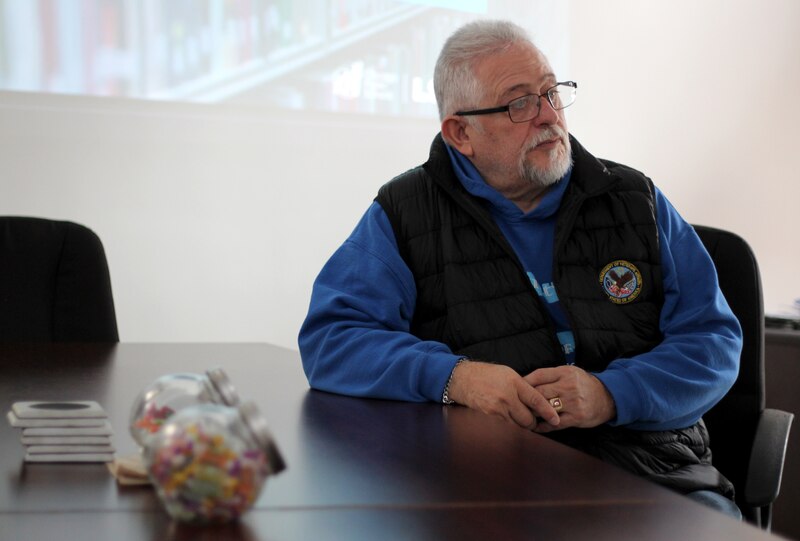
(153, 418)
(205, 464)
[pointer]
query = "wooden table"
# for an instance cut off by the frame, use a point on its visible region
(357, 469)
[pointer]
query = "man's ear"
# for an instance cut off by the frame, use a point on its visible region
(456, 131)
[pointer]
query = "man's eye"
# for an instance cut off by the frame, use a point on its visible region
(521, 103)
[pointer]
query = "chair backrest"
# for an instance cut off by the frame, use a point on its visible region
(54, 283)
(732, 422)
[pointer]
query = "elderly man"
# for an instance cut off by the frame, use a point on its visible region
(517, 274)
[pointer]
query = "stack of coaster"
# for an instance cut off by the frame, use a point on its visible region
(70, 431)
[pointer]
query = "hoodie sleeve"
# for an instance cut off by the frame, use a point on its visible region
(356, 338)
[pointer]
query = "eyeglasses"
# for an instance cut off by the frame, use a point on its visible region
(526, 108)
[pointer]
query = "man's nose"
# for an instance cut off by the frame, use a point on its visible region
(547, 115)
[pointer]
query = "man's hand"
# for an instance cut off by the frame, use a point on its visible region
(498, 390)
(585, 400)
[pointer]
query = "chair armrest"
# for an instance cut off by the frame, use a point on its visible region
(766, 460)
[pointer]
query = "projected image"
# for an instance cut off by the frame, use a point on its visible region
(361, 56)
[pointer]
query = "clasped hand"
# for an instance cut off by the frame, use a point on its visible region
(499, 390)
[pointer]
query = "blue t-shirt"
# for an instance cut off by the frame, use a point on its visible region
(530, 234)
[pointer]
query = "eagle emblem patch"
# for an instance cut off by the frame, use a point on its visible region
(621, 281)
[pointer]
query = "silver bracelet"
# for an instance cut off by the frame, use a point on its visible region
(445, 395)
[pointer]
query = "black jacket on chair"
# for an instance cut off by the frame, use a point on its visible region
(54, 283)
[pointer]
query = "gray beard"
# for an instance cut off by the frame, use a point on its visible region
(543, 177)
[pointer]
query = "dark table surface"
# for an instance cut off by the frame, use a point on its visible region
(357, 468)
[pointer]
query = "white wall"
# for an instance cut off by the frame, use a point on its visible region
(216, 219)
(704, 97)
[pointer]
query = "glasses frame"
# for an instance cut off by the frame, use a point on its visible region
(507, 108)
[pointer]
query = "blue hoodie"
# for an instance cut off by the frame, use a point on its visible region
(356, 340)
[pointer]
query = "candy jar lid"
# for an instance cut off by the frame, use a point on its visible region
(223, 386)
(257, 425)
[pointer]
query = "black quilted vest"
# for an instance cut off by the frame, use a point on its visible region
(473, 293)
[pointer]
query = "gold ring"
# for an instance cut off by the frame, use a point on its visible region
(557, 404)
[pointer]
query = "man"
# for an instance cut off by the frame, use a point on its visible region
(516, 274)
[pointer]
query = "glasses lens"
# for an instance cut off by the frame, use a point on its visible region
(562, 95)
(523, 109)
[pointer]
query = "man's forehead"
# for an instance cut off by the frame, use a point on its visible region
(532, 86)
(519, 68)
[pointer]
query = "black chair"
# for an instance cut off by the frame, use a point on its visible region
(748, 440)
(54, 283)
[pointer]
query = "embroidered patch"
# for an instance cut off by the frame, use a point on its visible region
(621, 281)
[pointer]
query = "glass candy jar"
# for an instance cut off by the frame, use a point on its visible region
(208, 463)
(173, 392)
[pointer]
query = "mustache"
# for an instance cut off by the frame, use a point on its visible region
(547, 134)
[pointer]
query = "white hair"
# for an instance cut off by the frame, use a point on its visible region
(454, 81)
